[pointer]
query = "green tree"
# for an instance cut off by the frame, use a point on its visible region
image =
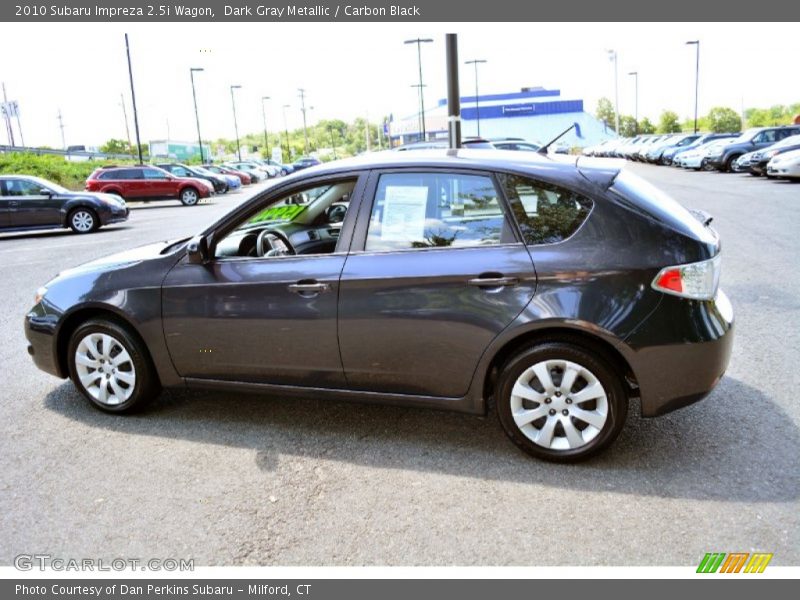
(668, 122)
(723, 120)
(627, 126)
(605, 112)
(645, 126)
(115, 146)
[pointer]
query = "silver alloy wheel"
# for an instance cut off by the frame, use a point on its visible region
(559, 404)
(83, 220)
(189, 197)
(105, 368)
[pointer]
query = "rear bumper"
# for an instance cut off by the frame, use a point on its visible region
(680, 353)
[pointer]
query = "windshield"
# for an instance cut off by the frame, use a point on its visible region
(747, 135)
(789, 141)
(289, 208)
(50, 185)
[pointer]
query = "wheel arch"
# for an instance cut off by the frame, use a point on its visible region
(75, 318)
(560, 332)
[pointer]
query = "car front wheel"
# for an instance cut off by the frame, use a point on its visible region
(189, 197)
(111, 367)
(83, 220)
(560, 402)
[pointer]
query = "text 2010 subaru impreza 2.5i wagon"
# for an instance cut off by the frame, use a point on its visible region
(562, 290)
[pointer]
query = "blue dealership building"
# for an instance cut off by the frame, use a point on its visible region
(535, 114)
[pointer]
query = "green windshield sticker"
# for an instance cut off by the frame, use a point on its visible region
(279, 213)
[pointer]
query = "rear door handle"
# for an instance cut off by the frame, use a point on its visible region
(493, 282)
(308, 288)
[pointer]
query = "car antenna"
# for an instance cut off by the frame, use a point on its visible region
(543, 149)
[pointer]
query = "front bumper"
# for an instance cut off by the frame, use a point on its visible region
(114, 215)
(680, 353)
(40, 327)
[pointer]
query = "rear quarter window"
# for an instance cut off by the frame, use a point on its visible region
(546, 213)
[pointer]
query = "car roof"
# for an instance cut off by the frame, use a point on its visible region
(445, 158)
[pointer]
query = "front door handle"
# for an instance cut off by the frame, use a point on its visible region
(308, 288)
(493, 282)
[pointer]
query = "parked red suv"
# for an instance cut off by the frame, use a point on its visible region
(145, 183)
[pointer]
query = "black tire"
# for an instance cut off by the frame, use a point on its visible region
(728, 168)
(83, 220)
(616, 409)
(146, 385)
(189, 196)
(284, 172)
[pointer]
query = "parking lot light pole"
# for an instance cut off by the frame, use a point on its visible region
(696, 44)
(419, 42)
(303, 110)
(612, 56)
(192, 71)
(286, 131)
(264, 117)
(635, 101)
(476, 62)
(235, 124)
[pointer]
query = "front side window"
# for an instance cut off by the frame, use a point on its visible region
(546, 213)
(305, 221)
(429, 210)
(153, 174)
(22, 187)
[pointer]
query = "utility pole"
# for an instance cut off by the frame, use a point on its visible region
(192, 71)
(453, 92)
(125, 116)
(9, 127)
(419, 42)
(303, 110)
(235, 123)
(61, 127)
(133, 99)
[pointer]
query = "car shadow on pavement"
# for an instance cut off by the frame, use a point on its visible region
(737, 445)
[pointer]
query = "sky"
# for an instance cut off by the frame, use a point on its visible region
(354, 70)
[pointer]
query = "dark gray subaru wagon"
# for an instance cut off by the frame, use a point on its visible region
(559, 289)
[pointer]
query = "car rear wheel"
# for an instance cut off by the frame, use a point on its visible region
(111, 367)
(189, 197)
(83, 220)
(560, 402)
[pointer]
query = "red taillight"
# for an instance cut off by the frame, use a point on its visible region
(670, 280)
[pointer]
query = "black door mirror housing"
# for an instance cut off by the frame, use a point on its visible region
(197, 250)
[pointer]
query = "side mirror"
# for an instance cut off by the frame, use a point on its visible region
(45, 192)
(197, 250)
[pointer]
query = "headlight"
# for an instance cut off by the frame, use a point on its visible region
(39, 295)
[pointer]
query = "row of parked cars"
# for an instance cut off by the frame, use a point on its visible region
(771, 151)
(31, 203)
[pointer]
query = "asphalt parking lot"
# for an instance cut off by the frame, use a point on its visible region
(244, 480)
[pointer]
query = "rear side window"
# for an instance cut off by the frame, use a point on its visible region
(430, 210)
(109, 175)
(546, 213)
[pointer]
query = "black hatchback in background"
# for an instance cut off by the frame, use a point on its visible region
(179, 170)
(28, 203)
(557, 289)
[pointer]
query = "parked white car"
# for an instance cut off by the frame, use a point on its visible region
(696, 159)
(785, 165)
